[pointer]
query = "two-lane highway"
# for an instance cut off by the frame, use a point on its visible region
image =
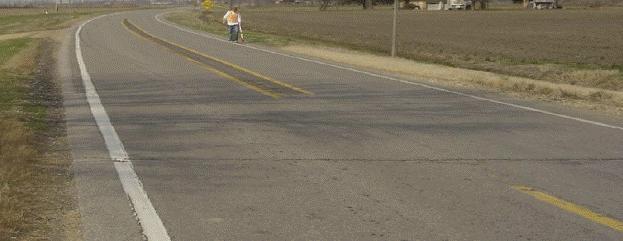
(240, 142)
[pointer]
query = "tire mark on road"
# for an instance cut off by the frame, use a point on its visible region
(258, 82)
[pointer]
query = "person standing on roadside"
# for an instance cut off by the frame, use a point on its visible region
(232, 19)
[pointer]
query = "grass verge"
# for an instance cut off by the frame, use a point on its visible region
(456, 76)
(34, 168)
(210, 22)
(36, 19)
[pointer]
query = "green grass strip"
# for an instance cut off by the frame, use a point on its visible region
(9, 48)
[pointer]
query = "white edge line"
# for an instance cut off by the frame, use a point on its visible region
(152, 226)
(394, 79)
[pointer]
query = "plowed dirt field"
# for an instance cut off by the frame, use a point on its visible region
(575, 46)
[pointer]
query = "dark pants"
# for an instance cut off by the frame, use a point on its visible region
(233, 32)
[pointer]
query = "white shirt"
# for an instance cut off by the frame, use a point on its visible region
(229, 22)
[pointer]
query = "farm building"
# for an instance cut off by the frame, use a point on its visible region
(541, 4)
(445, 4)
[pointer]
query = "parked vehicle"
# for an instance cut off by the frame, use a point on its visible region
(542, 4)
(459, 4)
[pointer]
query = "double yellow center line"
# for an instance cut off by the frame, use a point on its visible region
(252, 80)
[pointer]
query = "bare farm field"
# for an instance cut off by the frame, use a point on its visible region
(579, 47)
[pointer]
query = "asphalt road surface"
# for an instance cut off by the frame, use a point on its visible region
(240, 142)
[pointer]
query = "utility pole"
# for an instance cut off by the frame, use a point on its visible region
(394, 29)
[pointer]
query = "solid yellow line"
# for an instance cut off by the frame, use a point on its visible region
(596, 217)
(492, 175)
(230, 64)
(203, 65)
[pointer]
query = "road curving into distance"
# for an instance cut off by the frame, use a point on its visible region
(184, 136)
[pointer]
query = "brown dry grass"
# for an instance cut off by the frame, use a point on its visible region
(35, 192)
(30, 195)
(18, 178)
(35, 187)
(16, 144)
(64, 9)
(21, 20)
